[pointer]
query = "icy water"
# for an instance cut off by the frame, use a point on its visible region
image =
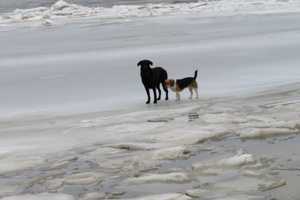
(6, 6)
(53, 13)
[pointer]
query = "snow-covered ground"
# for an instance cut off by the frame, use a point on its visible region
(74, 124)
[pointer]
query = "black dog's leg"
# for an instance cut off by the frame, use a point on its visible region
(148, 95)
(155, 98)
(166, 91)
(159, 93)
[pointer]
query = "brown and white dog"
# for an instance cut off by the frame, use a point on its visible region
(181, 84)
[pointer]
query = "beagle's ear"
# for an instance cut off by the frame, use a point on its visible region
(145, 62)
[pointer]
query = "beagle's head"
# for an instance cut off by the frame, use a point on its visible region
(170, 82)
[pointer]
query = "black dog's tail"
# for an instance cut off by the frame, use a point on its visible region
(196, 74)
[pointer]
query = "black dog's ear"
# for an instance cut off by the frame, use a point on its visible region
(145, 62)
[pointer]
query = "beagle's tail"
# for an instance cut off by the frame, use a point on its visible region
(196, 74)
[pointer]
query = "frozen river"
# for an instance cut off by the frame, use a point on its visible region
(74, 124)
(91, 67)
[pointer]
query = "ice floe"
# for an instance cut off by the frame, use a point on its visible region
(230, 162)
(174, 177)
(63, 162)
(133, 127)
(192, 135)
(54, 184)
(197, 193)
(93, 196)
(85, 178)
(224, 118)
(133, 146)
(242, 197)
(171, 153)
(170, 196)
(211, 194)
(265, 132)
(12, 163)
(248, 184)
(8, 189)
(272, 185)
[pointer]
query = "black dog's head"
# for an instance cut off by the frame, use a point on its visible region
(145, 63)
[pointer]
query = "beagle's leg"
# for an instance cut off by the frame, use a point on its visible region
(196, 90)
(177, 96)
(191, 91)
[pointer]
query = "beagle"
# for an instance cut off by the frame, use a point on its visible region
(180, 84)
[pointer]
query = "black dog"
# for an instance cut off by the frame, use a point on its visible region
(152, 78)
